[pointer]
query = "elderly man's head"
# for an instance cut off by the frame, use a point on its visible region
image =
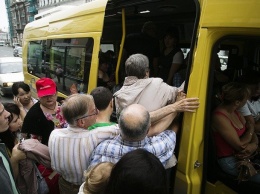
(134, 122)
(137, 65)
(79, 110)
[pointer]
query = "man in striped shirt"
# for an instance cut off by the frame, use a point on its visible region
(134, 123)
(71, 148)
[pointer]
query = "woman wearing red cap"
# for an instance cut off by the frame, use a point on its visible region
(42, 118)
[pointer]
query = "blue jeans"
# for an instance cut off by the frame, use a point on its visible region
(228, 165)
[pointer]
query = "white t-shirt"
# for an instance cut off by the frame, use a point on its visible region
(251, 108)
(178, 58)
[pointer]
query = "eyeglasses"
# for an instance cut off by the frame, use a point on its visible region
(96, 112)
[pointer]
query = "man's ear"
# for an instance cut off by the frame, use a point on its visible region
(111, 104)
(80, 123)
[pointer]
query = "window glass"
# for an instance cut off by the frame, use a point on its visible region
(106, 47)
(185, 51)
(223, 57)
(66, 61)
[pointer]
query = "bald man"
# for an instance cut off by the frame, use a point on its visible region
(134, 123)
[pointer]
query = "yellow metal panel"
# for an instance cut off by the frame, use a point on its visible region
(188, 178)
(230, 13)
(88, 17)
(218, 188)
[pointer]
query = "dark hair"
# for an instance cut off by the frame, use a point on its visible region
(234, 91)
(103, 58)
(13, 109)
(18, 85)
(8, 137)
(172, 32)
(138, 172)
(250, 77)
(102, 97)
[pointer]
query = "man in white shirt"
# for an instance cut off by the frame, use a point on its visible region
(70, 148)
(251, 110)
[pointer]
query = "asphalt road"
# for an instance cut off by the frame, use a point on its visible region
(6, 51)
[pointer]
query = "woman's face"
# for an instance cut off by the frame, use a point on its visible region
(169, 41)
(103, 67)
(16, 123)
(25, 97)
(49, 101)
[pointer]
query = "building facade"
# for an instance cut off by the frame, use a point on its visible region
(19, 12)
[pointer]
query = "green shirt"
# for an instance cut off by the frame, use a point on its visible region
(96, 125)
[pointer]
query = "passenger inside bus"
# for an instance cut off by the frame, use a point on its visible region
(146, 43)
(235, 139)
(251, 110)
(171, 58)
(103, 78)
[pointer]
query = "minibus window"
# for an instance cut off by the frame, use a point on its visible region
(106, 47)
(66, 61)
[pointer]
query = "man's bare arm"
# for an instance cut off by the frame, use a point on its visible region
(184, 105)
(162, 118)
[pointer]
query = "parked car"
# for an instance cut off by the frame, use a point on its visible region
(2, 43)
(16, 44)
(11, 71)
(18, 51)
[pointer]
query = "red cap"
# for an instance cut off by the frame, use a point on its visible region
(45, 87)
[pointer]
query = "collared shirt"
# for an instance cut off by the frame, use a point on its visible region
(71, 148)
(161, 145)
(251, 108)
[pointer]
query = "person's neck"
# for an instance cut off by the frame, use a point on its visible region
(168, 49)
(103, 117)
(229, 108)
(29, 105)
(50, 108)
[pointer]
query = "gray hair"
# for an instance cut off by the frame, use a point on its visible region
(76, 106)
(137, 65)
(134, 125)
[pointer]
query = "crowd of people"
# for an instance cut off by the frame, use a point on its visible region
(81, 139)
(76, 148)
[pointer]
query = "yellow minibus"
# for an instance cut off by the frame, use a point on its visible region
(227, 30)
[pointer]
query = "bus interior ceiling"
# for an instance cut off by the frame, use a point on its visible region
(178, 13)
